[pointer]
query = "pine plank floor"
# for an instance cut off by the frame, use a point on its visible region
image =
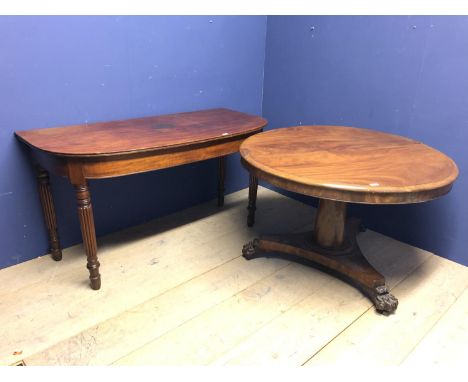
(176, 291)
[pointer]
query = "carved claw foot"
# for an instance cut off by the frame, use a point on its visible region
(250, 250)
(384, 301)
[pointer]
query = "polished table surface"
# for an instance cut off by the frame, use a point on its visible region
(142, 134)
(341, 164)
(118, 148)
(350, 164)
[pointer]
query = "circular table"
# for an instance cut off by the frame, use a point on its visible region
(339, 164)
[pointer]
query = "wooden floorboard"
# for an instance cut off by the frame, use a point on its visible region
(111, 340)
(136, 265)
(424, 297)
(447, 341)
(176, 292)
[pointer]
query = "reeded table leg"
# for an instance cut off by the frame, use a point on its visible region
(252, 206)
(221, 176)
(85, 214)
(333, 247)
(47, 202)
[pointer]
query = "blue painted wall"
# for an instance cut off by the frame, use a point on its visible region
(69, 70)
(403, 75)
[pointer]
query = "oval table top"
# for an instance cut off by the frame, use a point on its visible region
(349, 164)
(143, 134)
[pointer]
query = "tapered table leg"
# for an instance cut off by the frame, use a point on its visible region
(47, 202)
(221, 176)
(333, 247)
(85, 214)
(252, 206)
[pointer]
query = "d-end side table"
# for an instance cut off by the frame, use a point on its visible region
(339, 165)
(117, 148)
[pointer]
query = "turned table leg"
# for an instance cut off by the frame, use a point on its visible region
(221, 176)
(85, 214)
(333, 247)
(252, 206)
(45, 194)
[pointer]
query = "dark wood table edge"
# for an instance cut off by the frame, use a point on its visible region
(350, 196)
(65, 165)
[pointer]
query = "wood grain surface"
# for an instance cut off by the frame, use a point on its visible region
(349, 164)
(142, 134)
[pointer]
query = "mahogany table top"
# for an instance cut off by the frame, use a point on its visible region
(142, 134)
(349, 164)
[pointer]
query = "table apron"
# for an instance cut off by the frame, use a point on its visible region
(79, 168)
(363, 197)
(125, 165)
